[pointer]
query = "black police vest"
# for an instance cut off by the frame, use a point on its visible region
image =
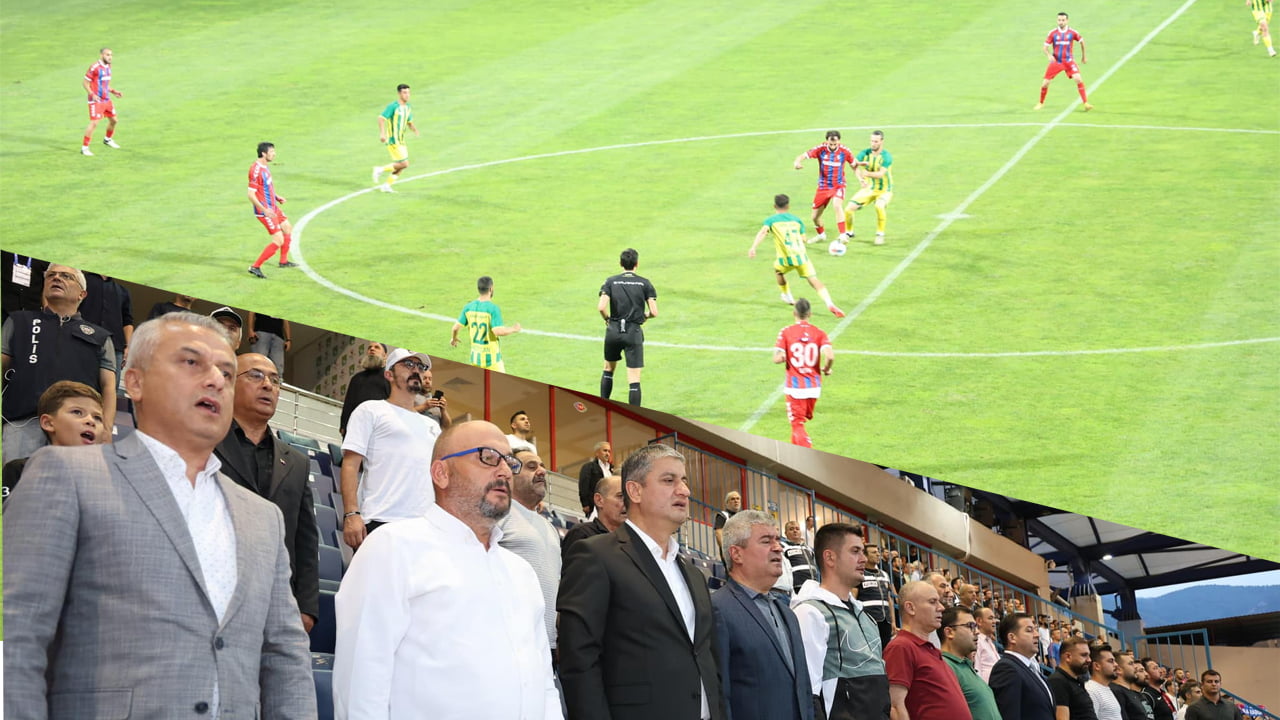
(45, 349)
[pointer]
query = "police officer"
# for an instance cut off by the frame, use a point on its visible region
(626, 300)
(874, 594)
(41, 347)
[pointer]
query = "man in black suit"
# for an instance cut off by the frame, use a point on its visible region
(761, 654)
(599, 466)
(254, 457)
(1021, 691)
(637, 633)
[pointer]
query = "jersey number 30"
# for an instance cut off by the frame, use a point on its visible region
(804, 355)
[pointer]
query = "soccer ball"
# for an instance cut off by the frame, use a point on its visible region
(837, 248)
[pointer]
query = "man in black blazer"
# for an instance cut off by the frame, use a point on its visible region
(637, 633)
(254, 457)
(1021, 691)
(760, 651)
(598, 467)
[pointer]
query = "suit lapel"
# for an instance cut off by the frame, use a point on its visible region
(281, 461)
(748, 604)
(232, 463)
(133, 463)
(239, 512)
(634, 548)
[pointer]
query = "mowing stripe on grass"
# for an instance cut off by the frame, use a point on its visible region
(951, 217)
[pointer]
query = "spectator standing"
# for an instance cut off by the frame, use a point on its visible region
(42, 347)
(231, 324)
(70, 414)
(1215, 704)
(732, 505)
(254, 458)
(521, 432)
(959, 641)
(762, 658)
(368, 384)
(108, 304)
(530, 535)
(271, 337)
(137, 565)
(435, 618)
(636, 626)
(987, 654)
(600, 465)
(1187, 694)
(395, 444)
(609, 514)
(179, 303)
(1103, 671)
(875, 596)
(1021, 692)
(1161, 702)
(1070, 698)
(1128, 688)
(921, 685)
(804, 565)
(841, 641)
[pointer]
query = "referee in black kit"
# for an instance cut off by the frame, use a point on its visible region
(626, 300)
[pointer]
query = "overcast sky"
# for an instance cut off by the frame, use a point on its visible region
(1262, 578)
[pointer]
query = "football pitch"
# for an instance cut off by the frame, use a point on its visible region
(1078, 309)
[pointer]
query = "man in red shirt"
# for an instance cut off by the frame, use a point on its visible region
(921, 685)
(808, 354)
(266, 207)
(831, 157)
(1058, 48)
(97, 83)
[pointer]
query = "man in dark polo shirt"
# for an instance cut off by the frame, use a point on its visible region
(255, 458)
(626, 301)
(921, 684)
(1070, 699)
(1214, 705)
(1161, 702)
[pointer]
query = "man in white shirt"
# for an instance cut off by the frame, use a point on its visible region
(521, 432)
(1103, 671)
(636, 623)
(436, 619)
(986, 655)
(393, 445)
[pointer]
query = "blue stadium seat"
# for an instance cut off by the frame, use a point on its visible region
(335, 454)
(324, 693)
(326, 521)
(335, 499)
(330, 563)
(324, 462)
(301, 441)
(321, 486)
(324, 634)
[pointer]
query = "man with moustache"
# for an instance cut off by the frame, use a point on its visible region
(609, 512)
(959, 641)
(435, 618)
(1103, 671)
(255, 458)
(1070, 699)
(139, 581)
(762, 658)
(637, 634)
(921, 685)
(1021, 692)
(393, 443)
(530, 535)
(841, 640)
(368, 384)
(1128, 688)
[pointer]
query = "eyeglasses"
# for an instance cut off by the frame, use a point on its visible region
(62, 275)
(257, 376)
(489, 456)
(971, 625)
(416, 365)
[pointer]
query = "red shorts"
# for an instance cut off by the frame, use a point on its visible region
(1069, 67)
(800, 409)
(826, 195)
(101, 109)
(272, 224)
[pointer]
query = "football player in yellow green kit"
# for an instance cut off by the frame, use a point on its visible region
(392, 123)
(483, 321)
(788, 243)
(1262, 15)
(875, 175)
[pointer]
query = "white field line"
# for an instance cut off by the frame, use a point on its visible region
(776, 393)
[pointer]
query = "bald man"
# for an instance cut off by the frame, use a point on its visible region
(921, 685)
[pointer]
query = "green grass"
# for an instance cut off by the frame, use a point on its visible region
(1119, 229)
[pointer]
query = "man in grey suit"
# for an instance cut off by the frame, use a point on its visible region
(139, 581)
(761, 654)
(255, 458)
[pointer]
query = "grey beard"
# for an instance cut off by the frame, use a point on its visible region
(372, 361)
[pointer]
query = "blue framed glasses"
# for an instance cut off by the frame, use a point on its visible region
(489, 456)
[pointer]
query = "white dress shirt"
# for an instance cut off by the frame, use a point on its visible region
(1035, 668)
(679, 588)
(432, 624)
(205, 511)
(985, 657)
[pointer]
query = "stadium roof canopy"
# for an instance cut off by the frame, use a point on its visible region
(1104, 557)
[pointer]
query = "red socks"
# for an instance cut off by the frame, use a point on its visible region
(1043, 91)
(266, 254)
(284, 249)
(1080, 88)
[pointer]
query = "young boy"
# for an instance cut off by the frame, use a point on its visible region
(70, 414)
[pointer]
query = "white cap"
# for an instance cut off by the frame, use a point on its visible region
(226, 312)
(401, 354)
